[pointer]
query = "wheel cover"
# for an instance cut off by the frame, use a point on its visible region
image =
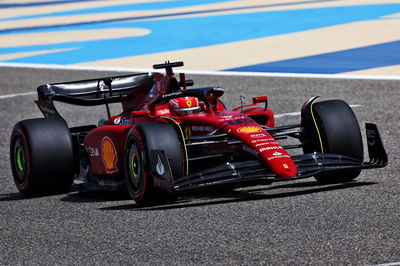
(20, 160)
(134, 165)
(135, 172)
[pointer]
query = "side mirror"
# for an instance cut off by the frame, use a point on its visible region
(261, 99)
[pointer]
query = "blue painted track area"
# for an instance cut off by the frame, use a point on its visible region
(374, 56)
(185, 29)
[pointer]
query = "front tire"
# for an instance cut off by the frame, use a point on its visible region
(332, 127)
(142, 140)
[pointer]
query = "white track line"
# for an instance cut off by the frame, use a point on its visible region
(7, 96)
(387, 264)
(198, 72)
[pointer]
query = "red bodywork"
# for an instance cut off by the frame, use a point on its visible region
(105, 144)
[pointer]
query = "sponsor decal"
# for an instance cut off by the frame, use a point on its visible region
(270, 148)
(93, 152)
(159, 166)
(163, 112)
(202, 128)
(278, 157)
(267, 143)
(109, 155)
(188, 132)
(262, 140)
(263, 144)
(117, 121)
(277, 153)
(172, 94)
(249, 129)
(226, 117)
(261, 135)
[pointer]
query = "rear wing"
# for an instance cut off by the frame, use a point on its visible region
(92, 92)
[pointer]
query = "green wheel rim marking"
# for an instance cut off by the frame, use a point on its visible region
(134, 165)
(19, 159)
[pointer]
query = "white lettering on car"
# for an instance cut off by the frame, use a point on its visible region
(278, 157)
(93, 152)
(261, 135)
(270, 148)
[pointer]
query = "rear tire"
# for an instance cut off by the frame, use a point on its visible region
(141, 141)
(42, 156)
(333, 128)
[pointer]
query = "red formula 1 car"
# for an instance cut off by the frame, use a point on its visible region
(171, 139)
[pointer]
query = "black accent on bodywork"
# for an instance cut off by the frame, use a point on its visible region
(253, 172)
(90, 92)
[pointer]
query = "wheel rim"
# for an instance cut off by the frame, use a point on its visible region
(134, 165)
(20, 160)
(135, 172)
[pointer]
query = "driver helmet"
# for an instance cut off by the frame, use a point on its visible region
(184, 106)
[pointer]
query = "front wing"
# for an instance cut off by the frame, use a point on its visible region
(254, 172)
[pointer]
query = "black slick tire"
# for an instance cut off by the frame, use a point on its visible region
(141, 140)
(333, 128)
(42, 156)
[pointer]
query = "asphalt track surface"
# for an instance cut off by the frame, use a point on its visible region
(296, 223)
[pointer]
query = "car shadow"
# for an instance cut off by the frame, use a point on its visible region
(224, 196)
(12, 197)
(96, 196)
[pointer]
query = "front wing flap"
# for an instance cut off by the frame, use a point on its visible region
(255, 172)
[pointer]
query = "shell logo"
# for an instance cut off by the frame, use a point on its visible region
(109, 155)
(249, 129)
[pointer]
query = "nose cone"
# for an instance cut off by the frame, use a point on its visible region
(263, 145)
(272, 153)
(284, 169)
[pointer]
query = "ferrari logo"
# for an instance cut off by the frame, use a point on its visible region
(285, 166)
(189, 103)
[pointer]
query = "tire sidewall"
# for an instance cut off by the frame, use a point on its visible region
(21, 178)
(332, 127)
